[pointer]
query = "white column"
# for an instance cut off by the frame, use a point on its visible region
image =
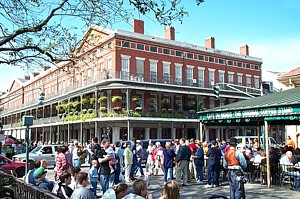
(115, 134)
(147, 133)
(267, 154)
(173, 133)
(201, 131)
(218, 134)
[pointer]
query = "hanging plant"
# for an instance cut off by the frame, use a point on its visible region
(60, 115)
(76, 113)
(20, 122)
(83, 101)
(170, 110)
(163, 110)
(191, 111)
(152, 100)
(90, 110)
(71, 113)
(92, 100)
(191, 103)
(135, 98)
(83, 111)
(102, 99)
(138, 109)
(116, 108)
(116, 98)
(165, 101)
(178, 102)
(102, 109)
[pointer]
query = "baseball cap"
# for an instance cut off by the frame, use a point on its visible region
(40, 171)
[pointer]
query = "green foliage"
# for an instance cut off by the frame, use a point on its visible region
(61, 108)
(117, 108)
(135, 98)
(179, 115)
(163, 110)
(92, 101)
(101, 114)
(152, 100)
(102, 109)
(7, 183)
(83, 111)
(90, 110)
(191, 103)
(116, 98)
(102, 99)
(136, 114)
(111, 114)
(138, 109)
(20, 122)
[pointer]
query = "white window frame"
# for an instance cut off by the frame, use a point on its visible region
(178, 74)
(240, 79)
(201, 82)
(166, 70)
(125, 66)
(248, 80)
(153, 70)
(230, 77)
(211, 77)
(256, 82)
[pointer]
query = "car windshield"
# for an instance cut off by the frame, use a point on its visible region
(36, 149)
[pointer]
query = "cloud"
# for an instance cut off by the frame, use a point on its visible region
(278, 55)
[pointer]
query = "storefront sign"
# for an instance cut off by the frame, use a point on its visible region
(251, 113)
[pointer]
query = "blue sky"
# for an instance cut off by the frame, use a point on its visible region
(269, 27)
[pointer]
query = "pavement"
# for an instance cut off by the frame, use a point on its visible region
(195, 190)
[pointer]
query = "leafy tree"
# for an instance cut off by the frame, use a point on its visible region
(33, 32)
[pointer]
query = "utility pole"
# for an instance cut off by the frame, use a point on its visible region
(27, 121)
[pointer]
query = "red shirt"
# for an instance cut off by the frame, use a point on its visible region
(193, 148)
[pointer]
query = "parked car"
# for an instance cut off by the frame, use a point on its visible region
(41, 152)
(7, 165)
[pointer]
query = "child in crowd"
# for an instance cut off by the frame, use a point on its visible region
(73, 171)
(110, 152)
(94, 177)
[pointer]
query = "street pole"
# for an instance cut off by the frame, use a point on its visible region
(27, 149)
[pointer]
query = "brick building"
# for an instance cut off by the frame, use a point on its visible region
(127, 84)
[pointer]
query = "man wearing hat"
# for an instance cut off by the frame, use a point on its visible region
(41, 181)
(235, 162)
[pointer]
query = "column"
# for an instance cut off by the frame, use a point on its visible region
(201, 131)
(159, 131)
(218, 134)
(115, 134)
(80, 133)
(147, 133)
(267, 153)
(58, 133)
(51, 139)
(173, 132)
(68, 135)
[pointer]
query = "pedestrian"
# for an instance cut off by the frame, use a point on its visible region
(76, 160)
(158, 157)
(30, 178)
(213, 164)
(139, 190)
(168, 161)
(94, 176)
(128, 160)
(235, 162)
(61, 162)
(134, 164)
(8, 153)
(64, 191)
(192, 167)
(290, 142)
(74, 172)
(150, 161)
(81, 192)
(199, 161)
(140, 154)
(170, 191)
(183, 156)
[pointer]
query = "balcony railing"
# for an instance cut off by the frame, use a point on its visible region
(151, 78)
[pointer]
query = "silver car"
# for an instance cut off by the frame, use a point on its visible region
(41, 152)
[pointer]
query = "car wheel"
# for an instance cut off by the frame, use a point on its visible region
(20, 172)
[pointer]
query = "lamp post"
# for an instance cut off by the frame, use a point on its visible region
(1, 136)
(27, 121)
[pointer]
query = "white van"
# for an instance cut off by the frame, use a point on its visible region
(243, 142)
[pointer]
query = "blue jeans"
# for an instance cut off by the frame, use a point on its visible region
(217, 174)
(236, 189)
(104, 182)
(199, 169)
(296, 174)
(211, 168)
(117, 174)
(139, 166)
(133, 168)
(166, 173)
(94, 187)
(76, 163)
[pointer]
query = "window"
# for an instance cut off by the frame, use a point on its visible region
(239, 64)
(190, 55)
(166, 72)
(82, 79)
(256, 82)
(126, 44)
(256, 67)
(201, 77)
(221, 61)
(153, 69)
(140, 69)
(248, 81)
(200, 57)
(178, 74)
(125, 67)
(189, 75)
(153, 49)
(140, 46)
(109, 45)
(95, 73)
(109, 68)
(166, 51)
(211, 59)
(221, 77)
(230, 63)
(247, 65)
(240, 79)
(152, 102)
(230, 77)
(211, 77)
(178, 54)
(211, 103)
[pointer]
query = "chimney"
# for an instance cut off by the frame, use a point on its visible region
(27, 77)
(170, 33)
(210, 42)
(35, 74)
(244, 50)
(46, 68)
(138, 26)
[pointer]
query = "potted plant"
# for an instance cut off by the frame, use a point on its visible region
(83, 111)
(116, 108)
(170, 110)
(90, 110)
(116, 98)
(92, 100)
(191, 111)
(191, 103)
(163, 110)
(152, 100)
(135, 98)
(60, 115)
(102, 99)
(102, 109)
(178, 102)
(138, 109)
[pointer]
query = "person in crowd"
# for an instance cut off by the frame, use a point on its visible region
(106, 177)
(205, 147)
(111, 153)
(255, 145)
(139, 190)
(199, 161)
(134, 164)
(95, 148)
(121, 190)
(76, 160)
(94, 176)
(192, 167)
(8, 153)
(73, 171)
(81, 192)
(223, 146)
(118, 167)
(81, 152)
(218, 143)
(140, 154)
(150, 161)
(64, 191)
(170, 191)
(30, 177)
(288, 166)
(168, 161)
(183, 156)
(289, 142)
(158, 157)
(61, 162)
(41, 180)
(128, 160)
(235, 163)
(213, 164)
(120, 152)
(227, 145)
(69, 157)
(43, 164)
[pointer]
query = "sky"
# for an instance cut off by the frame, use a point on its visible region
(269, 27)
